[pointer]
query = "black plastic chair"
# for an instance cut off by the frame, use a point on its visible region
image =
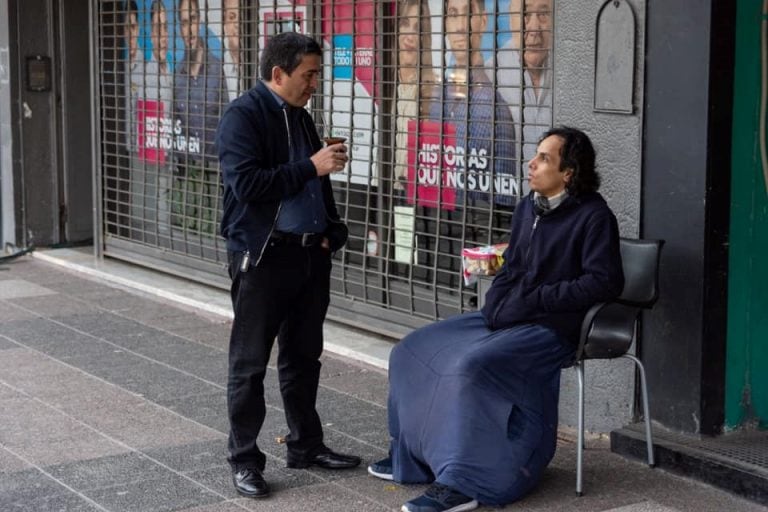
(609, 329)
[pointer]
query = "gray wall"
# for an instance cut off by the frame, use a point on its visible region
(618, 141)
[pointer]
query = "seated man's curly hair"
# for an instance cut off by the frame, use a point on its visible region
(577, 154)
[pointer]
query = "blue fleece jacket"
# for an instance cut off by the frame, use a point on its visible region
(557, 266)
(253, 142)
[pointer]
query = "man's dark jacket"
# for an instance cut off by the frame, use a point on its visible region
(253, 141)
(557, 266)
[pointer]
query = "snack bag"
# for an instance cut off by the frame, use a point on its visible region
(484, 260)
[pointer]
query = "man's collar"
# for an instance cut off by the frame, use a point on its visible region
(279, 99)
(262, 90)
(545, 205)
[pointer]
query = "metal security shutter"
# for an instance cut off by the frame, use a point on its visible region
(440, 105)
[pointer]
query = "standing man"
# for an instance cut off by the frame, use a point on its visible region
(534, 116)
(281, 226)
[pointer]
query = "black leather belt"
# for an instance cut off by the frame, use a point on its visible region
(301, 239)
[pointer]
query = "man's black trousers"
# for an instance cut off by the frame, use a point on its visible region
(285, 296)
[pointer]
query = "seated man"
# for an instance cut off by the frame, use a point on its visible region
(473, 399)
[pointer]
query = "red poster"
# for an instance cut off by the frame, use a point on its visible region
(150, 131)
(432, 164)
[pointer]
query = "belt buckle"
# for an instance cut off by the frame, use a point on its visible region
(307, 239)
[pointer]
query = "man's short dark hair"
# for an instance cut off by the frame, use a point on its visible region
(286, 51)
(577, 154)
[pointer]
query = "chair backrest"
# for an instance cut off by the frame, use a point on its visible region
(609, 329)
(640, 261)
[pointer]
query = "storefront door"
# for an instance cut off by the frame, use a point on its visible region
(747, 360)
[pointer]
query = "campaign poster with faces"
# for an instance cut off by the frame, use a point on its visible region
(183, 65)
(473, 97)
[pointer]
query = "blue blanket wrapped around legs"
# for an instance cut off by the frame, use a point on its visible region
(475, 409)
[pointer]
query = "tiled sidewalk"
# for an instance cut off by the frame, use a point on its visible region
(110, 400)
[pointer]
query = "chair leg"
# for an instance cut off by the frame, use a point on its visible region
(646, 410)
(580, 429)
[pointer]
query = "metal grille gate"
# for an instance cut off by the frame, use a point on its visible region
(442, 103)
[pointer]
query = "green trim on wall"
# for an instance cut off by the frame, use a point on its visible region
(746, 398)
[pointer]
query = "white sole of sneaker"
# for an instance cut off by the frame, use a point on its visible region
(470, 505)
(383, 476)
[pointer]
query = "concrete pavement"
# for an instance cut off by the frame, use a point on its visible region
(112, 397)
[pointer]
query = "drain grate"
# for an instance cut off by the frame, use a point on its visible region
(749, 447)
(736, 462)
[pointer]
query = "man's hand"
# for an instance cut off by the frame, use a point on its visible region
(330, 159)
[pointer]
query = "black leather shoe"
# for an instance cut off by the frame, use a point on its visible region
(327, 459)
(250, 483)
